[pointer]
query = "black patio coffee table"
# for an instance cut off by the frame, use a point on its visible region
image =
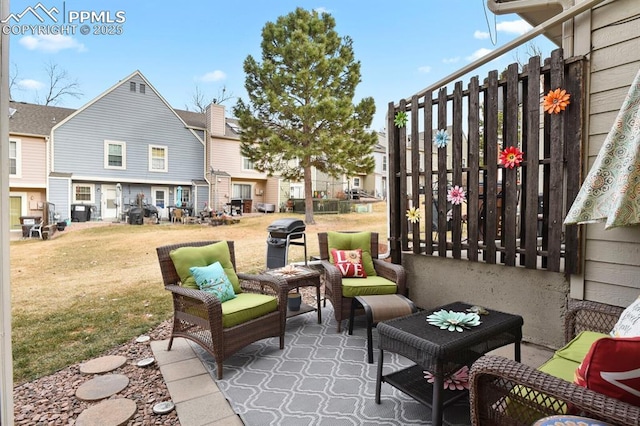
(441, 352)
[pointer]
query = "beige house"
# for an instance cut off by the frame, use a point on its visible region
(29, 129)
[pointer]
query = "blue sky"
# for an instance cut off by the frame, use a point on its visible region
(403, 46)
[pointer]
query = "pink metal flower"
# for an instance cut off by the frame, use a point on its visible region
(457, 381)
(511, 157)
(456, 195)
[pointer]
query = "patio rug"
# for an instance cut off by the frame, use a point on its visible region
(320, 378)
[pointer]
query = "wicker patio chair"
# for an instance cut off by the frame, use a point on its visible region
(505, 392)
(333, 276)
(198, 315)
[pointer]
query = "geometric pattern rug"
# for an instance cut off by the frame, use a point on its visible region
(321, 377)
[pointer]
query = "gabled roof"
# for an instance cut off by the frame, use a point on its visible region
(192, 118)
(33, 119)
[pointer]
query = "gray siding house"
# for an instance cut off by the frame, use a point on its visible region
(125, 145)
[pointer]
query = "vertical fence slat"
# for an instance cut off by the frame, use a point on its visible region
(442, 176)
(402, 148)
(415, 171)
(456, 230)
(491, 162)
(473, 156)
(555, 171)
(573, 153)
(532, 169)
(395, 231)
(510, 177)
(428, 166)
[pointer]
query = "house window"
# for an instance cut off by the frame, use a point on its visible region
(14, 158)
(384, 163)
(183, 196)
(158, 158)
(242, 191)
(356, 182)
(247, 164)
(132, 86)
(115, 155)
(142, 88)
(82, 193)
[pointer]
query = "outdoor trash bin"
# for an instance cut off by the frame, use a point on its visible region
(80, 212)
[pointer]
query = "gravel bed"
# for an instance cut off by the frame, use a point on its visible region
(51, 400)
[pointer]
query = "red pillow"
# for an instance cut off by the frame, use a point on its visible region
(349, 262)
(612, 368)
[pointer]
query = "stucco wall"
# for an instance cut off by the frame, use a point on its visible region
(539, 296)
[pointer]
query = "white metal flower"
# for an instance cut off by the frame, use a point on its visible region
(453, 321)
(441, 138)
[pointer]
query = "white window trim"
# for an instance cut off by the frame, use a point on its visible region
(166, 158)
(356, 182)
(247, 168)
(18, 158)
(92, 192)
(106, 155)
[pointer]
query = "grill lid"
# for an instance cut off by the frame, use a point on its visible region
(287, 226)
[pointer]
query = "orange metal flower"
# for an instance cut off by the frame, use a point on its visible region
(556, 101)
(511, 157)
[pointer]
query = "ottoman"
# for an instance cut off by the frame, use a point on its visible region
(379, 308)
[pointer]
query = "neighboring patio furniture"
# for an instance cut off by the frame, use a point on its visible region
(507, 392)
(176, 215)
(378, 308)
(442, 353)
(36, 231)
(257, 311)
(382, 277)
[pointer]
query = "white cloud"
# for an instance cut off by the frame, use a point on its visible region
(322, 10)
(518, 27)
(451, 60)
(481, 35)
(30, 84)
(51, 43)
(212, 76)
(425, 69)
(478, 54)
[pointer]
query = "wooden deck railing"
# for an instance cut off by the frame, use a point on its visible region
(511, 216)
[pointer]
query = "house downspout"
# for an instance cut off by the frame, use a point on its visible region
(531, 34)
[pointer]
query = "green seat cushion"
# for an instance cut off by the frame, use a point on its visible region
(352, 241)
(577, 348)
(245, 307)
(185, 258)
(352, 287)
(560, 367)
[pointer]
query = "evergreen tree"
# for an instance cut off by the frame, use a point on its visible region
(301, 112)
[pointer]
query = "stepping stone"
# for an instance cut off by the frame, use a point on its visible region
(103, 364)
(102, 387)
(112, 412)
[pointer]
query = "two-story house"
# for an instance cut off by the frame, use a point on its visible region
(125, 145)
(29, 129)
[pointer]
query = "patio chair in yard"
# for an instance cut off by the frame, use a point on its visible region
(505, 392)
(233, 309)
(381, 277)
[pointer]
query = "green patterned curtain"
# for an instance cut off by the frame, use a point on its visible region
(611, 190)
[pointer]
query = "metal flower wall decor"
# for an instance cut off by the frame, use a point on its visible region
(457, 381)
(441, 138)
(413, 215)
(511, 157)
(456, 195)
(556, 101)
(400, 120)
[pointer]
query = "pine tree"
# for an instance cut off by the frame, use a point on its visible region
(300, 112)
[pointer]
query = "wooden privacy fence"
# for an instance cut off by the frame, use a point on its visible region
(511, 216)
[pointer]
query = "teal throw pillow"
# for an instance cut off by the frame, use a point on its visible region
(213, 279)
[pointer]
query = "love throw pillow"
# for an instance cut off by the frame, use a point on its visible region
(612, 367)
(214, 280)
(628, 324)
(349, 262)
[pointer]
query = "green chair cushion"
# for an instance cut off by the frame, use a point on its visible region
(186, 257)
(245, 307)
(577, 348)
(352, 241)
(560, 367)
(352, 287)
